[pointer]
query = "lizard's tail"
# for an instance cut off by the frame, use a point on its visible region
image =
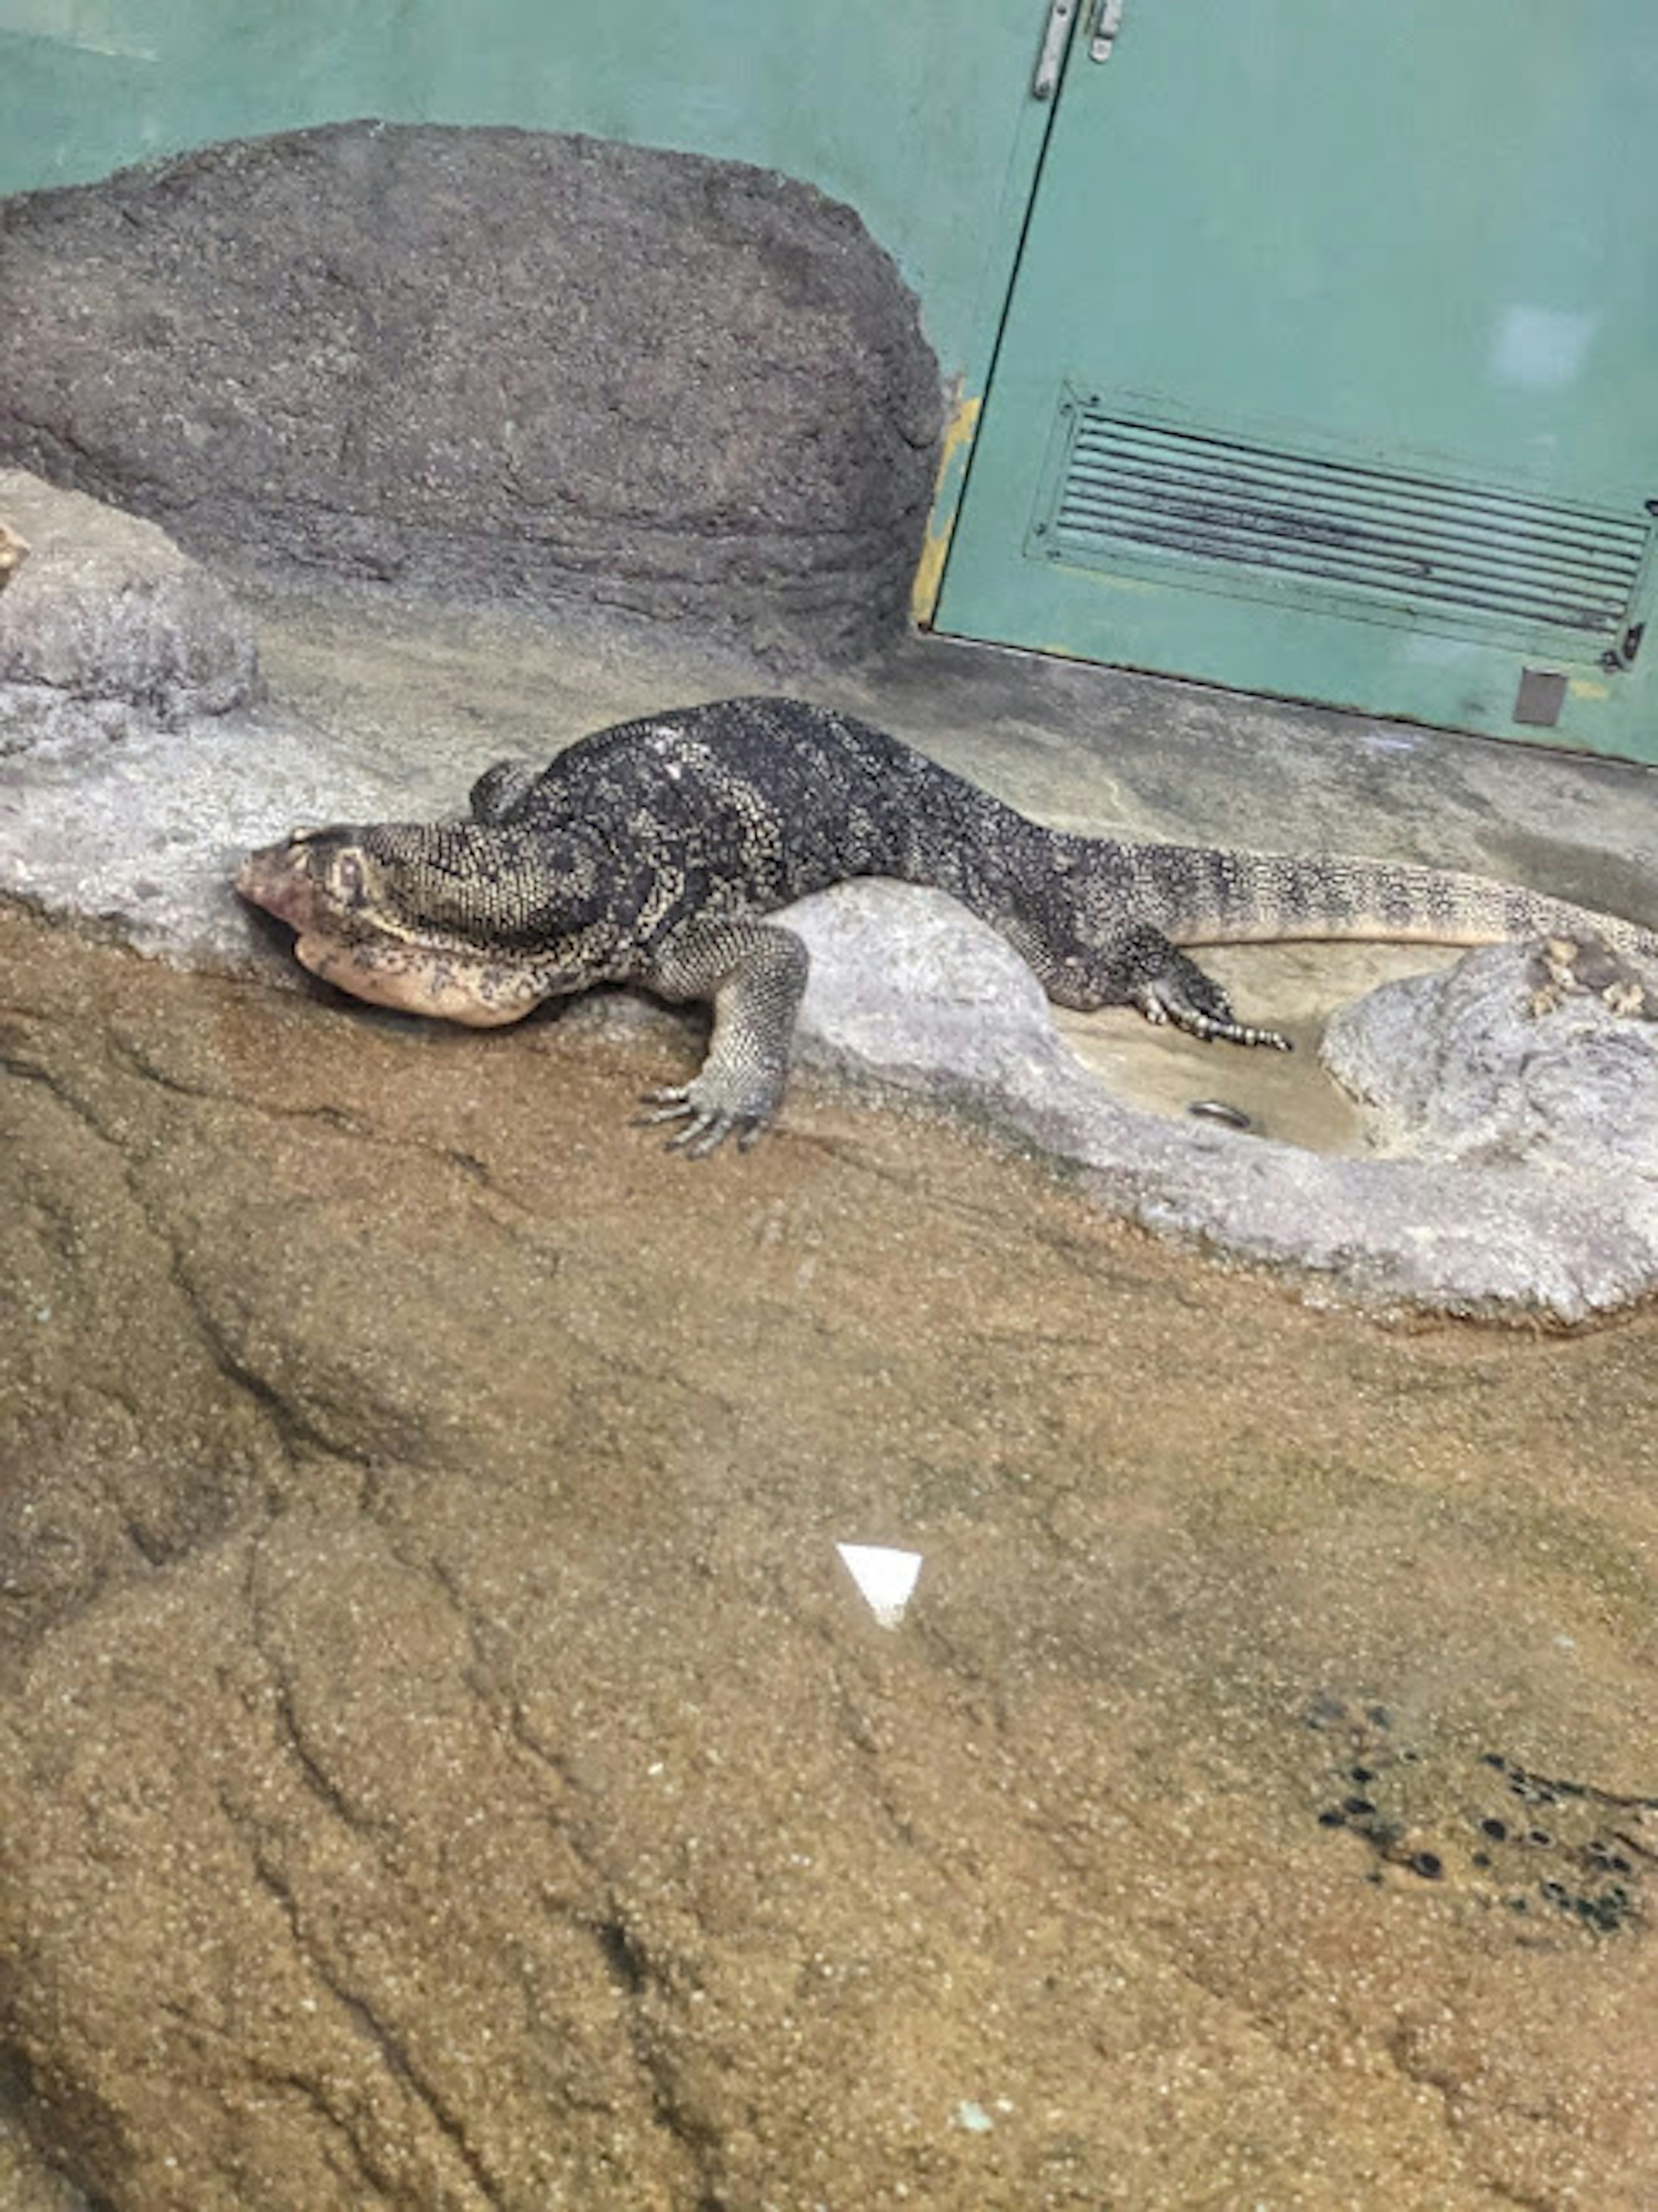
(1198, 896)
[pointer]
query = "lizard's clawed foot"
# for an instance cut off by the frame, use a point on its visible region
(1161, 1001)
(707, 1122)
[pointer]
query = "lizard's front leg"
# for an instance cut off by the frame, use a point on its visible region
(755, 974)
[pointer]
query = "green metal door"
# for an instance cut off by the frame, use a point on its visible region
(1330, 368)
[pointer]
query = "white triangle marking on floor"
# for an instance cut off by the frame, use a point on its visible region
(885, 1578)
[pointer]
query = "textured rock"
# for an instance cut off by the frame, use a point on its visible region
(110, 626)
(910, 989)
(1457, 1066)
(492, 359)
(906, 987)
(14, 551)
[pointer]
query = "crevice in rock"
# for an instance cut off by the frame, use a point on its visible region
(27, 1070)
(313, 1772)
(378, 2033)
(642, 1980)
(137, 1062)
(295, 1431)
(646, 1986)
(622, 1955)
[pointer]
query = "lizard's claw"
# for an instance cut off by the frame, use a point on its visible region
(1161, 1001)
(707, 1124)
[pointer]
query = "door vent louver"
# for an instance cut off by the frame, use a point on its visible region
(1126, 491)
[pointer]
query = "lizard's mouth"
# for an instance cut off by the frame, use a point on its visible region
(356, 955)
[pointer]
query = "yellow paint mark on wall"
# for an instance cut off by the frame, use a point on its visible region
(1588, 686)
(946, 499)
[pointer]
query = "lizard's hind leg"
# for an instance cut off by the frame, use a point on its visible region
(1137, 966)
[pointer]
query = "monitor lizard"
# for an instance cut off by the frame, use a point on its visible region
(646, 854)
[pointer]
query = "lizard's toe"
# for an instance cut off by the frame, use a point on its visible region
(671, 1099)
(707, 1125)
(1229, 1031)
(1162, 1000)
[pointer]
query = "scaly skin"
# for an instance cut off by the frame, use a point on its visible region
(646, 854)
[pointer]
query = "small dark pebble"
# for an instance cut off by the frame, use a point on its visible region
(1557, 1893)
(1517, 1905)
(1619, 1864)
(1496, 1829)
(1357, 1806)
(1494, 1759)
(1332, 1817)
(1361, 1773)
(1538, 1835)
(1428, 1865)
(1481, 1859)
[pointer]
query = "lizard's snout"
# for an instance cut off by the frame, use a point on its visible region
(277, 879)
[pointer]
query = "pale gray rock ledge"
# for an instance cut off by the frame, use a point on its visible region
(910, 991)
(1515, 1169)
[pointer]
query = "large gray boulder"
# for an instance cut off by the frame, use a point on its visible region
(495, 360)
(1473, 1065)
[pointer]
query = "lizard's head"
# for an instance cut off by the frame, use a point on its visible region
(412, 915)
(320, 881)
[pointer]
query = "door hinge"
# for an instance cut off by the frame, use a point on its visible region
(1051, 60)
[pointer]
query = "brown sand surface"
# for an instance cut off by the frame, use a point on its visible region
(444, 1760)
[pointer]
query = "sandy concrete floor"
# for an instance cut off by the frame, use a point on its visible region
(443, 1759)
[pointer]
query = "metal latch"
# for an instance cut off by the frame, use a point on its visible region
(1051, 60)
(1108, 22)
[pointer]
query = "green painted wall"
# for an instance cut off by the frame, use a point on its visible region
(919, 115)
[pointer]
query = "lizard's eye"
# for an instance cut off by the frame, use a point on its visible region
(348, 879)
